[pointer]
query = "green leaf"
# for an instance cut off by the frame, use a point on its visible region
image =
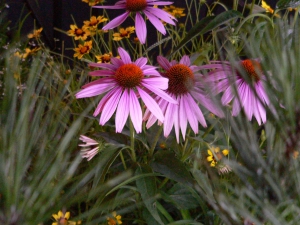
(167, 164)
(107, 157)
(147, 188)
(182, 197)
(207, 24)
(282, 4)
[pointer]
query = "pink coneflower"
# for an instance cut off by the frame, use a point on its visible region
(90, 148)
(184, 86)
(137, 7)
(251, 97)
(125, 81)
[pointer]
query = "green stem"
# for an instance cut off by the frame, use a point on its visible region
(122, 159)
(131, 128)
(151, 150)
(163, 183)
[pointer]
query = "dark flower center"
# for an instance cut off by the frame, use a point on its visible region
(181, 79)
(136, 5)
(129, 75)
(252, 68)
(79, 32)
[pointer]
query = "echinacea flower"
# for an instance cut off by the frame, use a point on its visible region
(251, 96)
(124, 82)
(90, 148)
(116, 219)
(214, 155)
(185, 86)
(63, 219)
(137, 7)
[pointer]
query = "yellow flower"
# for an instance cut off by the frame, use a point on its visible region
(83, 49)
(115, 220)
(29, 51)
(174, 11)
(63, 219)
(214, 155)
(124, 33)
(266, 7)
(78, 33)
(36, 33)
(93, 2)
(105, 58)
(92, 24)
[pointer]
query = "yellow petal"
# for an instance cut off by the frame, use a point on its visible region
(225, 152)
(209, 152)
(60, 214)
(55, 216)
(209, 158)
(67, 215)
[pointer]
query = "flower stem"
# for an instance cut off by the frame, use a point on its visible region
(131, 128)
(151, 150)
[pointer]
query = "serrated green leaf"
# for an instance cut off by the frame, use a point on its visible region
(147, 188)
(207, 24)
(167, 164)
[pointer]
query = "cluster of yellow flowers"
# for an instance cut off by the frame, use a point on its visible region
(63, 219)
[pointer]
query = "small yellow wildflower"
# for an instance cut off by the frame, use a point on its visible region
(105, 58)
(214, 155)
(29, 51)
(174, 11)
(93, 2)
(78, 33)
(266, 7)
(63, 219)
(124, 33)
(295, 154)
(83, 49)
(93, 23)
(115, 220)
(36, 33)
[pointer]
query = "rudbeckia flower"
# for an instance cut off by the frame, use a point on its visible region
(124, 82)
(249, 94)
(115, 220)
(141, 6)
(184, 86)
(214, 155)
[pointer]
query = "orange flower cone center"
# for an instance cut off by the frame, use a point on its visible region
(84, 49)
(136, 5)
(129, 75)
(79, 32)
(252, 68)
(181, 79)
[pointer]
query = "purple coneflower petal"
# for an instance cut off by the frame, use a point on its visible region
(135, 111)
(116, 21)
(156, 22)
(122, 112)
(182, 116)
(159, 82)
(161, 14)
(110, 107)
(140, 62)
(161, 93)
(151, 105)
(101, 73)
(117, 62)
(185, 60)
(94, 90)
(140, 28)
(163, 62)
(124, 56)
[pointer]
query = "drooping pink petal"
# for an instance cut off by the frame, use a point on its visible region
(103, 101)
(163, 62)
(117, 62)
(182, 116)
(122, 112)
(110, 107)
(104, 82)
(140, 28)
(156, 22)
(124, 55)
(135, 111)
(116, 21)
(94, 90)
(150, 71)
(160, 93)
(161, 14)
(169, 118)
(116, 6)
(101, 73)
(104, 65)
(151, 104)
(158, 82)
(189, 105)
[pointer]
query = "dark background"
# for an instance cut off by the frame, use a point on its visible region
(51, 14)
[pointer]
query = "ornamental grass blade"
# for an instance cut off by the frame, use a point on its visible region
(207, 24)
